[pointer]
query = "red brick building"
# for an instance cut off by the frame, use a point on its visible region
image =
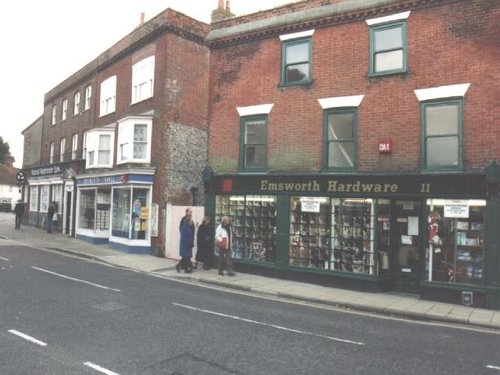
(125, 136)
(354, 142)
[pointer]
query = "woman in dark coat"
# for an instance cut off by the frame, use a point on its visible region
(186, 246)
(205, 244)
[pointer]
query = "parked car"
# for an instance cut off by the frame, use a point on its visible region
(5, 205)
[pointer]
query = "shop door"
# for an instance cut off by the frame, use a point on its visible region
(406, 244)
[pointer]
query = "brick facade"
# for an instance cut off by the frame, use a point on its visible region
(449, 42)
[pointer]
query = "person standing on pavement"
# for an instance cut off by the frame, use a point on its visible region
(223, 237)
(205, 244)
(19, 211)
(50, 216)
(186, 246)
(189, 214)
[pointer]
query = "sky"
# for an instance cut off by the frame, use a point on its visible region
(46, 41)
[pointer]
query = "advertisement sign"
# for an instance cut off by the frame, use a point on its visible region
(456, 208)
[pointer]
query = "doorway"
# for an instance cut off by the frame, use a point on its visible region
(406, 240)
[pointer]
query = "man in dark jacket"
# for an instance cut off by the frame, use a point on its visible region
(50, 216)
(19, 211)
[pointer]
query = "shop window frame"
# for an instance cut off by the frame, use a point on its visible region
(458, 102)
(326, 142)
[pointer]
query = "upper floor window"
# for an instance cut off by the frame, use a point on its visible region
(253, 136)
(54, 114)
(88, 96)
(84, 146)
(134, 140)
(388, 45)
(74, 147)
(99, 148)
(296, 52)
(340, 131)
(253, 153)
(62, 150)
(76, 104)
(108, 96)
(442, 131)
(341, 134)
(64, 109)
(143, 79)
(52, 151)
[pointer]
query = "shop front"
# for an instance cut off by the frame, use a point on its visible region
(115, 209)
(422, 234)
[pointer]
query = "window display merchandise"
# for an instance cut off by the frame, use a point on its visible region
(130, 213)
(253, 219)
(455, 251)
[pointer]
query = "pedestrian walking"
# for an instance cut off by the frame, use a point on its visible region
(189, 214)
(186, 246)
(50, 216)
(19, 211)
(205, 244)
(223, 237)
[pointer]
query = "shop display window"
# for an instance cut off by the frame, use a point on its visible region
(353, 236)
(103, 209)
(253, 219)
(87, 209)
(383, 236)
(130, 213)
(120, 225)
(309, 232)
(455, 249)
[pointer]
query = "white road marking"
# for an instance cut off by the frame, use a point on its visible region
(99, 368)
(26, 337)
(493, 367)
(74, 279)
(268, 325)
(5, 259)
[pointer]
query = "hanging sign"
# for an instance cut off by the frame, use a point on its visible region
(456, 208)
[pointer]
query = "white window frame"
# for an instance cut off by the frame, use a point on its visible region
(51, 153)
(62, 149)
(93, 151)
(64, 114)
(76, 103)
(74, 146)
(84, 146)
(34, 198)
(108, 96)
(143, 79)
(88, 96)
(54, 114)
(126, 142)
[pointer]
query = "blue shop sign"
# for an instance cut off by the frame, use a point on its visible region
(115, 180)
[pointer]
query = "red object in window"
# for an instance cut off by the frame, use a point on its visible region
(227, 185)
(385, 145)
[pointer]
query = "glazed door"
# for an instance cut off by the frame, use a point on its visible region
(406, 237)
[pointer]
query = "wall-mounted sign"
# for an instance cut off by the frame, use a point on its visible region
(385, 145)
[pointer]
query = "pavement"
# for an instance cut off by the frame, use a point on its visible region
(381, 303)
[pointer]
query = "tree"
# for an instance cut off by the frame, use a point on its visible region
(4, 150)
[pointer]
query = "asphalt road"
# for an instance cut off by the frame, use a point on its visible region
(64, 315)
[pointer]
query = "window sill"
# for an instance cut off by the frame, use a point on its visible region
(284, 85)
(387, 73)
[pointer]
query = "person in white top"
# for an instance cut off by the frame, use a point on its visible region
(223, 237)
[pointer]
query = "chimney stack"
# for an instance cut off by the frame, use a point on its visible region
(143, 15)
(223, 11)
